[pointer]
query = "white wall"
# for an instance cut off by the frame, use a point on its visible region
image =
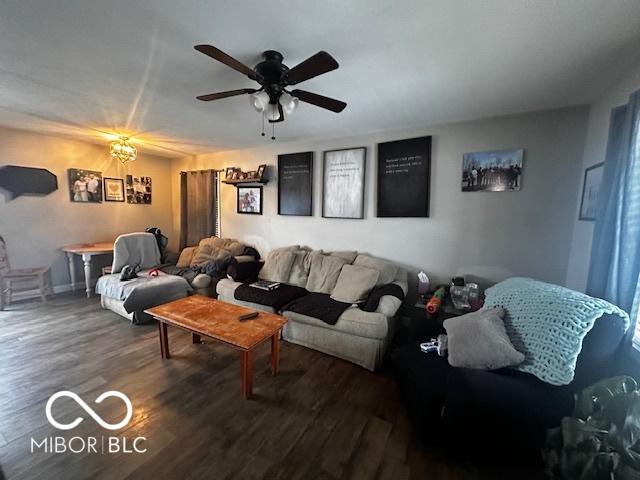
(594, 152)
(494, 234)
(36, 227)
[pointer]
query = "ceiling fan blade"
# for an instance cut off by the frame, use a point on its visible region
(313, 66)
(319, 100)
(230, 93)
(228, 60)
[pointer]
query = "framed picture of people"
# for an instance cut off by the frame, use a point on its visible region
(249, 200)
(492, 171)
(404, 183)
(139, 190)
(85, 186)
(343, 183)
(295, 184)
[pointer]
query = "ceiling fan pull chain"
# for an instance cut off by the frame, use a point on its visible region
(273, 131)
(262, 125)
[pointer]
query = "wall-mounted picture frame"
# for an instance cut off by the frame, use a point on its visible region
(85, 186)
(139, 190)
(249, 200)
(590, 192)
(228, 174)
(113, 189)
(343, 176)
(295, 184)
(492, 171)
(404, 178)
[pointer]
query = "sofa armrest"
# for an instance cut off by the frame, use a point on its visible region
(227, 287)
(389, 305)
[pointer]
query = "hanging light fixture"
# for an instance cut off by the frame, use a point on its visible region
(122, 150)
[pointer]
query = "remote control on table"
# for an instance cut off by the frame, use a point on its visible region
(247, 316)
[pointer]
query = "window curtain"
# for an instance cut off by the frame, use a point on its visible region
(614, 271)
(198, 206)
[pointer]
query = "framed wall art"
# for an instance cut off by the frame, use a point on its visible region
(590, 192)
(249, 200)
(85, 186)
(493, 171)
(343, 183)
(139, 190)
(404, 171)
(113, 189)
(295, 184)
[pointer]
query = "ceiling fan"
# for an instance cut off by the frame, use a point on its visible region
(273, 98)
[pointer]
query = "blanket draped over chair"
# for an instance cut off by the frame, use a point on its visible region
(548, 323)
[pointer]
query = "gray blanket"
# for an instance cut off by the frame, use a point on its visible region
(143, 292)
(135, 248)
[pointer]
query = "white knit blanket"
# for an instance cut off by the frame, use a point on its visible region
(548, 323)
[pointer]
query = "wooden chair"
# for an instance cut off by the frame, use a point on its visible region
(21, 280)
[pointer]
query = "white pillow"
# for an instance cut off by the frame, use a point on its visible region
(479, 340)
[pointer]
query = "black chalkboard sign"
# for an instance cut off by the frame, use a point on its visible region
(295, 184)
(404, 169)
(27, 181)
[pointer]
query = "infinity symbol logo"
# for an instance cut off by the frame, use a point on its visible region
(89, 410)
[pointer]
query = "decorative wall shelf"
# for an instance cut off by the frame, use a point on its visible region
(246, 181)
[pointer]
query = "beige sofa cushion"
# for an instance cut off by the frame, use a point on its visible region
(353, 321)
(277, 265)
(354, 284)
(349, 256)
(387, 270)
(299, 273)
(324, 272)
(185, 257)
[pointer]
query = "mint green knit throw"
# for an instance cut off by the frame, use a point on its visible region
(547, 323)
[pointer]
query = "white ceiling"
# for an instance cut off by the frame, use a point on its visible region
(84, 67)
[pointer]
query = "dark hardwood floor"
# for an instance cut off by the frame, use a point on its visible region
(320, 417)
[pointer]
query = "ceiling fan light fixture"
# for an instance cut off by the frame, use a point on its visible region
(272, 113)
(259, 100)
(289, 103)
(122, 150)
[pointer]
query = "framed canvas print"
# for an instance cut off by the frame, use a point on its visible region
(343, 183)
(250, 200)
(493, 171)
(139, 190)
(295, 184)
(590, 192)
(85, 186)
(404, 171)
(113, 190)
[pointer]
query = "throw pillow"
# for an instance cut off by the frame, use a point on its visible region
(185, 257)
(387, 270)
(300, 269)
(277, 265)
(479, 340)
(354, 284)
(324, 272)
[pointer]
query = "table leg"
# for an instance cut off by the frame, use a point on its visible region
(164, 340)
(195, 338)
(275, 353)
(246, 374)
(72, 271)
(86, 257)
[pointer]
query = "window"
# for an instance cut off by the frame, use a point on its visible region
(218, 227)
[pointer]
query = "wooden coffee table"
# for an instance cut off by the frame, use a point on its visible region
(204, 316)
